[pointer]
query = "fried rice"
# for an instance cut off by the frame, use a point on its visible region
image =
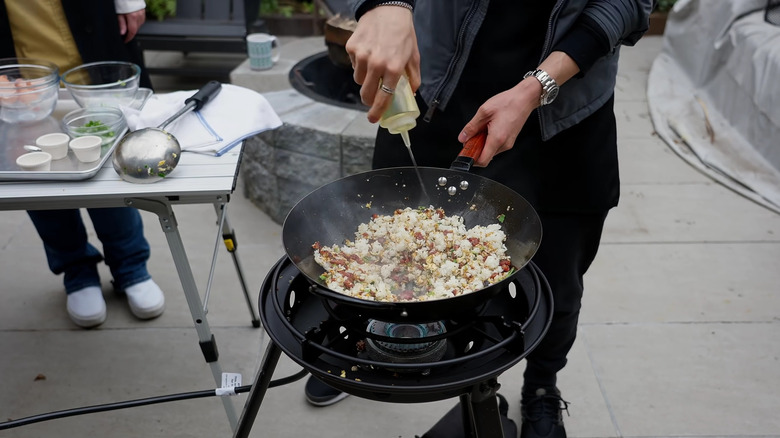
(415, 255)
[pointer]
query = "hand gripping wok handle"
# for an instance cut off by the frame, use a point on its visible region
(472, 149)
(196, 101)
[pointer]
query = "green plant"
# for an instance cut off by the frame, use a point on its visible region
(664, 5)
(307, 7)
(160, 9)
(286, 8)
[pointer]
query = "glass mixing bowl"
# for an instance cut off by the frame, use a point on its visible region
(109, 83)
(28, 89)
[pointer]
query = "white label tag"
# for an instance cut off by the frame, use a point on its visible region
(231, 380)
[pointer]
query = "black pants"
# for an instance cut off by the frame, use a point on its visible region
(569, 245)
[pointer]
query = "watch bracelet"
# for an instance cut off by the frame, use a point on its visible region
(399, 3)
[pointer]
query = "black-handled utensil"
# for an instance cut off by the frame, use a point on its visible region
(148, 155)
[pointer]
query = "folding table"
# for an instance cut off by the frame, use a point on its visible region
(198, 179)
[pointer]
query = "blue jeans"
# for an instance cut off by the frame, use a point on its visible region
(120, 230)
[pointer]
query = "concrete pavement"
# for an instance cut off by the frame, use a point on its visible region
(679, 333)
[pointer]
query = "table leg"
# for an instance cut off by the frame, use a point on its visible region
(229, 239)
(208, 345)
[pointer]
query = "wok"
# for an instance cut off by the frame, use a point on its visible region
(331, 213)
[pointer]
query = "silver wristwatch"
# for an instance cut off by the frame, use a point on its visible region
(549, 86)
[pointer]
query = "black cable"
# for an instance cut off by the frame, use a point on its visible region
(140, 402)
(113, 406)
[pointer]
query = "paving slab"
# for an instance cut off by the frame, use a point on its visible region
(687, 379)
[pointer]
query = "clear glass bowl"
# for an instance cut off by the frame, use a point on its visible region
(105, 122)
(28, 89)
(110, 83)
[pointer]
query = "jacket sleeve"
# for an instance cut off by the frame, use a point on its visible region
(359, 7)
(618, 22)
(585, 43)
(622, 21)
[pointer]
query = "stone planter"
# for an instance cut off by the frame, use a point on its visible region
(317, 144)
(300, 25)
(657, 23)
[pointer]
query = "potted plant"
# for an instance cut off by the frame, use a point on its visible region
(292, 17)
(160, 9)
(658, 17)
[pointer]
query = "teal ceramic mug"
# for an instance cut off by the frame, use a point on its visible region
(263, 51)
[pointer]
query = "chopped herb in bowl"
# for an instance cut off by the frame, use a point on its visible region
(96, 127)
(105, 122)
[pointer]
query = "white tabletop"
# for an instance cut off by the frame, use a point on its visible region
(197, 179)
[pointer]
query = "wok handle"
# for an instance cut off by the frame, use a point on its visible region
(472, 149)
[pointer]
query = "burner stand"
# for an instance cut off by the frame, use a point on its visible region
(479, 408)
(299, 326)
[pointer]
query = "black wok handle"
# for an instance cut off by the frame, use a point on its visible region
(204, 95)
(472, 149)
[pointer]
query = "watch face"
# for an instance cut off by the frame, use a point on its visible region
(551, 95)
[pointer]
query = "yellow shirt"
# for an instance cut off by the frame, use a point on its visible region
(41, 31)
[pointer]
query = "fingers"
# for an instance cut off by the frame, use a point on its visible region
(122, 25)
(380, 95)
(381, 48)
(413, 72)
(130, 23)
(476, 124)
(500, 135)
(379, 78)
(492, 148)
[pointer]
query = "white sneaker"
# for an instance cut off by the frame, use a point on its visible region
(146, 300)
(86, 307)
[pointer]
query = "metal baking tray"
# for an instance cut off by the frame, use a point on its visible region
(13, 137)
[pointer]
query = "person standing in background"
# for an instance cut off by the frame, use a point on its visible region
(538, 77)
(69, 33)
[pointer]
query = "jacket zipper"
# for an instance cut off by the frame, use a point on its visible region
(546, 49)
(458, 53)
(549, 38)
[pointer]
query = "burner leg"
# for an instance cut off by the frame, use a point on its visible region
(483, 418)
(466, 416)
(259, 388)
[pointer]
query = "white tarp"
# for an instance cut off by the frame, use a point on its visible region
(714, 93)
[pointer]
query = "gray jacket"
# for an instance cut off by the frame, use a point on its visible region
(443, 53)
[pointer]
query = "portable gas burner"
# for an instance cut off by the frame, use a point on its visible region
(401, 361)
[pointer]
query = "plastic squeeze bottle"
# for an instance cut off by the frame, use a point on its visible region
(401, 115)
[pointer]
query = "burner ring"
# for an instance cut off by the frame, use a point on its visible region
(405, 350)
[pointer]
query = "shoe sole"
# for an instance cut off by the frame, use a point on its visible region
(328, 402)
(148, 313)
(87, 322)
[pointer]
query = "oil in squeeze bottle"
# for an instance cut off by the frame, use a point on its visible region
(401, 116)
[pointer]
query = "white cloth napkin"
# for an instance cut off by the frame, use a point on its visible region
(233, 115)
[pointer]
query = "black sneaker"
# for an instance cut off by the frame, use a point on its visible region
(541, 413)
(320, 394)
